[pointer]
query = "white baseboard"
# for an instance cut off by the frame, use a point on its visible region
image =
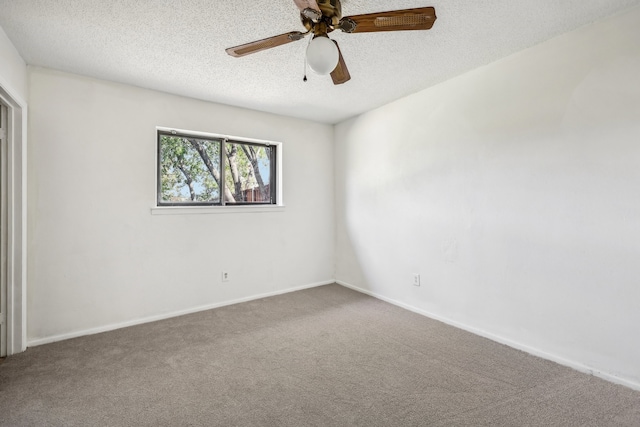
(517, 345)
(113, 326)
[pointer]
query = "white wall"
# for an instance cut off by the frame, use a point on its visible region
(13, 70)
(98, 258)
(514, 190)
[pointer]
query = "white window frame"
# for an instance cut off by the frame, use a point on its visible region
(278, 206)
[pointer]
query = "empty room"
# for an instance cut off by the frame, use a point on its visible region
(319, 213)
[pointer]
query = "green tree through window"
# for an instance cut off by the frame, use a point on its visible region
(190, 172)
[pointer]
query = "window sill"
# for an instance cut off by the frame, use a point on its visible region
(206, 210)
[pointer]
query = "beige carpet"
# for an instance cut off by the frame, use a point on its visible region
(326, 356)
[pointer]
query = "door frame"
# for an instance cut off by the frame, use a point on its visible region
(16, 241)
(3, 229)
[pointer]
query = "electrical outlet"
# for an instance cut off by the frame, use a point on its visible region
(225, 276)
(416, 279)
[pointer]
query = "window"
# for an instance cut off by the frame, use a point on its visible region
(196, 170)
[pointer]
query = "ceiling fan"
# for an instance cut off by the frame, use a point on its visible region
(320, 17)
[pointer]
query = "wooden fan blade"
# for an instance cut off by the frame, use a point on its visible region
(264, 44)
(341, 73)
(307, 4)
(421, 18)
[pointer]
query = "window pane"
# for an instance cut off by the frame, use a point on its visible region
(248, 173)
(189, 170)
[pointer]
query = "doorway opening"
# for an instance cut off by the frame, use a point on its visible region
(13, 222)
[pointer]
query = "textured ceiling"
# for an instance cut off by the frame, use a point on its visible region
(177, 46)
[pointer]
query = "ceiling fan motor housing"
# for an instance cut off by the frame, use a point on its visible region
(330, 8)
(331, 14)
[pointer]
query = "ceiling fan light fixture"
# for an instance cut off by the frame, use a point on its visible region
(322, 55)
(321, 17)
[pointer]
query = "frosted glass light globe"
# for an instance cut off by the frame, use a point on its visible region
(322, 55)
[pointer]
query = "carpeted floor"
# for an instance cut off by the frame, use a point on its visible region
(326, 356)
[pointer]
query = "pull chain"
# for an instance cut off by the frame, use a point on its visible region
(304, 79)
(305, 61)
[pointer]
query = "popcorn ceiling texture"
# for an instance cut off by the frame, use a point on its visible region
(178, 46)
